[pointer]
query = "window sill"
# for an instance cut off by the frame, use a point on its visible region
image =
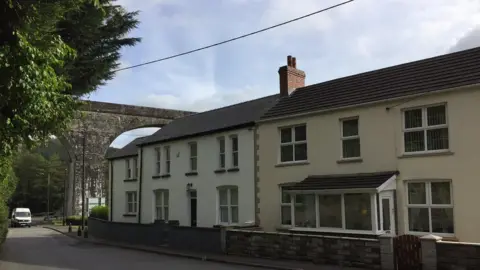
(129, 215)
(156, 177)
(191, 173)
(220, 171)
(426, 154)
(349, 160)
(233, 170)
(130, 180)
(292, 163)
(165, 175)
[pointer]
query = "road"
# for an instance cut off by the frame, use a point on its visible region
(42, 249)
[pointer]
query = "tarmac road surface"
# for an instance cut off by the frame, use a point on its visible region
(37, 248)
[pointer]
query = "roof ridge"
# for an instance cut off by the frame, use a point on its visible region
(447, 71)
(225, 107)
(412, 63)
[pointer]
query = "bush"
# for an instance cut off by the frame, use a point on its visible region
(7, 186)
(3, 222)
(75, 220)
(100, 212)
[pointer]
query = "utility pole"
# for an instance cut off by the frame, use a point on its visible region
(83, 181)
(48, 194)
(65, 197)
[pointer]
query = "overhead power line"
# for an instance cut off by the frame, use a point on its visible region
(235, 38)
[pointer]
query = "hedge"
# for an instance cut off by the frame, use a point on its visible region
(100, 212)
(3, 222)
(8, 183)
(75, 220)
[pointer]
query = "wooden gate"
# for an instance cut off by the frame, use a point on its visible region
(407, 252)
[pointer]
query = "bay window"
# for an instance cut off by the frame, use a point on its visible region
(336, 212)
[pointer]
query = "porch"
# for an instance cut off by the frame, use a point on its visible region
(356, 204)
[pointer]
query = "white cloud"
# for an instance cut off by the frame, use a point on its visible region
(359, 36)
(201, 98)
(468, 41)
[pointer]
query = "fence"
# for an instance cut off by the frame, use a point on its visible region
(158, 234)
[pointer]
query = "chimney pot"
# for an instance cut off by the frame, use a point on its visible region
(289, 60)
(294, 62)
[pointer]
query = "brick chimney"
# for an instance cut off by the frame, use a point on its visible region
(290, 77)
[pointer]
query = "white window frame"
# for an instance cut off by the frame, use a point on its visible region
(234, 151)
(158, 160)
(134, 167)
(221, 155)
(128, 169)
(293, 142)
(128, 202)
(343, 229)
(429, 205)
(162, 205)
(193, 159)
(229, 205)
(424, 128)
(168, 153)
(347, 138)
(292, 204)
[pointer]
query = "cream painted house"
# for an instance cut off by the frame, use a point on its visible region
(124, 183)
(197, 170)
(392, 151)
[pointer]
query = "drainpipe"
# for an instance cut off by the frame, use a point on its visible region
(140, 185)
(111, 190)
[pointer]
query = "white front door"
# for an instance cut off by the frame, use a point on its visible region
(387, 213)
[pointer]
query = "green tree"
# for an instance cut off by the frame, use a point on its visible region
(37, 177)
(97, 35)
(31, 103)
(46, 47)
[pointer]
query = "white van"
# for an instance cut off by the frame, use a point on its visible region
(21, 217)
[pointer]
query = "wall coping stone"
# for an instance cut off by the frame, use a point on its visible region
(431, 237)
(305, 235)
(458, 243)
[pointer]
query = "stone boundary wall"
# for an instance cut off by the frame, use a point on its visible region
(158, 234)
(343, 251)
(457, 255)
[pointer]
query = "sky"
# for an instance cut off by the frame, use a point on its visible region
(357, 37)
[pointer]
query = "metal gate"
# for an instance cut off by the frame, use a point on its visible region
(407, 252)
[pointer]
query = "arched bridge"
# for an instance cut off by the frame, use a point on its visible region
(98, 124)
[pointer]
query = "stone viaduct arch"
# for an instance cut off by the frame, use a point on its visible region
(100, 123)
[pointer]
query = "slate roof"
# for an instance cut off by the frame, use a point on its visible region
(230, 117)
(111, 150)
(128, 150)
(344, 181)
(428, 75)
